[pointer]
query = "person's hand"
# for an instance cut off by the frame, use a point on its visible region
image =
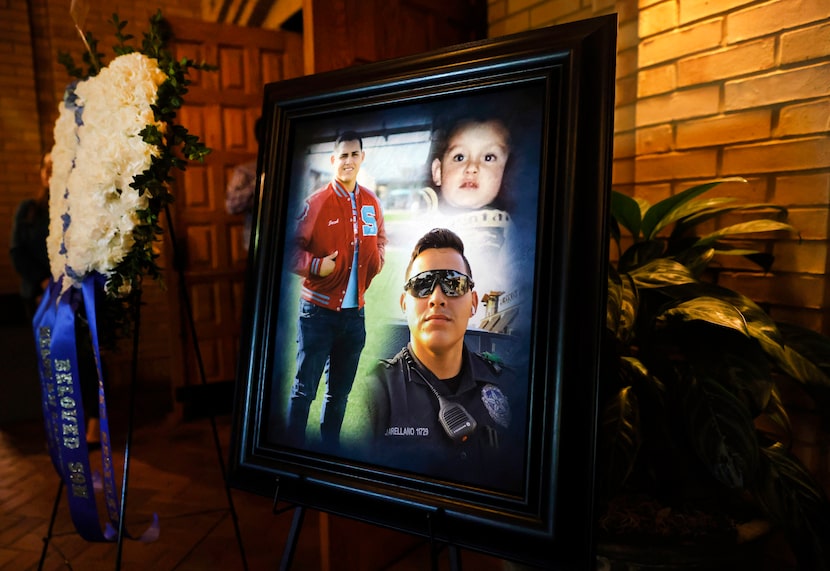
(327, 265)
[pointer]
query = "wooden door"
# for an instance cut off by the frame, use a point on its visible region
(349, 32)
(221, 108)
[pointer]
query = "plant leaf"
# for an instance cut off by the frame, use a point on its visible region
(622, 306)
(696, 259)
(660, 214)
(629, 304)
(626, 211)
(758, 324)
(751, 227)
(704, 215)
(661, 272)
(812, 345)
(614, 300)
(620, 440)
(720, 429)
(708, 309)
(776, 414)
(725, 250)
(694, 209)
(614, 230)
(800, 368)
(792, 499)
(640, 253)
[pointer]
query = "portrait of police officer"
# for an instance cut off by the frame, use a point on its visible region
(437, 407)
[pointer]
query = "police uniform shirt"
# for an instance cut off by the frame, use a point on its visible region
(409, 434)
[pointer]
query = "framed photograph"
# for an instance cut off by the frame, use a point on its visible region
(426, 293)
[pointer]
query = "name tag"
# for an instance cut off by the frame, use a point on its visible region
(407, 431)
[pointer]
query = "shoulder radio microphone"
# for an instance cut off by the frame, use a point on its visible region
(454, 418)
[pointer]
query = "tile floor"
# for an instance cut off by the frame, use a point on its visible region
(174, 471)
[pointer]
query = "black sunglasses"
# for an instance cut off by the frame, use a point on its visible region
(453, 283)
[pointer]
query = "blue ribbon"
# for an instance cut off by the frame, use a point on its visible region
(43, 321)
(63, 412)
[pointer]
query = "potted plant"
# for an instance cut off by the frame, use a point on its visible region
(693, 428)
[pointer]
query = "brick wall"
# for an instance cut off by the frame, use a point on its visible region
(715, 89)
(709, 89)
(20, 140)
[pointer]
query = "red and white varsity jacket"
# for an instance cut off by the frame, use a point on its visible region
(325, 225)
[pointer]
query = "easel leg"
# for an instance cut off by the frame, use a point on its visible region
(200, 363)
(454, 554)
(293, 535)
(455, 558)
(129, 438)
(48, 537)
(435, 547)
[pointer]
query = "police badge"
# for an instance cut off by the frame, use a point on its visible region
(496, 404)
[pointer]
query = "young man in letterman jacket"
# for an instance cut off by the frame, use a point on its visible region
(340, 244)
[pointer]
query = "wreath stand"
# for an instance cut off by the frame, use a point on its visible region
(131, 415)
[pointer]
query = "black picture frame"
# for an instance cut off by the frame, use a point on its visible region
(557, 83)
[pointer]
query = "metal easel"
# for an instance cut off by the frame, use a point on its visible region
(287, 558)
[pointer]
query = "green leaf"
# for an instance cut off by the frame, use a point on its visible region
(813, 345)
(695, 259)
(626, 211)
(687, 222)
(641, 253)
(720, 429)
(800, 368)
(73, 70)
(619, 439)
(661, 273)
(628, 310)
(725, 250)
(751, 227)
(614, 231)
(614, 300)
(696, 211)
(660, 214)
(622, 303)
(709, 309)
(776, 414)
(793, 500)
(759, 325)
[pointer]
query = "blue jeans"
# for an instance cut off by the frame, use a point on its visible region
(332, 341)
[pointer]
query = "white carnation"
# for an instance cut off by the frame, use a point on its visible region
(94, 165)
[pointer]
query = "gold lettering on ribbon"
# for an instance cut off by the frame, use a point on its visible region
(77, 479)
